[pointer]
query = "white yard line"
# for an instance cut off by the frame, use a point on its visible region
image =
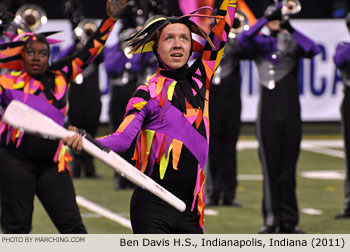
(93, 207)
(253, 144)
(250, 177)
(325, 143)
(247, 144)
(326, 151)
(321, 147)
(211, 212)
(326, 175)
(317, 146)
(311, 211)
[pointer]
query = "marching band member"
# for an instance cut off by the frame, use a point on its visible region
(225, 114)
(278, 125)
(342, 61)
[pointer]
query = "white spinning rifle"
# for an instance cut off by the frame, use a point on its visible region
(23, 117)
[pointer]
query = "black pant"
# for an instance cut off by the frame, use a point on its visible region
(345, 113)
(120, 96)
(82, 162)
(84, 112)
(21, 179)
(225, 117)
(151, 215)
(279, 135)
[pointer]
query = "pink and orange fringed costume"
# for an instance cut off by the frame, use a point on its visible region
(47, 93)
(169, 115)
(31, 165)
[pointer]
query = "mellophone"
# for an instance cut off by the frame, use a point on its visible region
(23, 117)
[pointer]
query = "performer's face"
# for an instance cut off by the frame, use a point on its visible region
(174, 45)
(274, 25)
(35, 58)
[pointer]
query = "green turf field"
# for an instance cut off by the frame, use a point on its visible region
(322, 197)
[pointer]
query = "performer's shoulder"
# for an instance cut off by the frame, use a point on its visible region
(142, 91)
(143, 88)
(344, 43)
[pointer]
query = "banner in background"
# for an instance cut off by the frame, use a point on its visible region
(320, 83)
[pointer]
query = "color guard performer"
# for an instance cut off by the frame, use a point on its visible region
(32, 165)
(169, 117)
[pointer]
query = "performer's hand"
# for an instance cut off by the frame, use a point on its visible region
(273, 12)
(74, 142)
(285, 24)
(115, 8)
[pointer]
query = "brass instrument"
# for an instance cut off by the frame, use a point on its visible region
(125, 34)
(291, 7)
(239, 24)
(85, 29)
(31, 16)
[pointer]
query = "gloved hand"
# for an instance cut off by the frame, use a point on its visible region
(273, 12)
(285, 24)
(115, 8)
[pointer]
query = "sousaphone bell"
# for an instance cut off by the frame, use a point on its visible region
(31, 16)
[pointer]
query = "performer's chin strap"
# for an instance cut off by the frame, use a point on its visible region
(92, 139)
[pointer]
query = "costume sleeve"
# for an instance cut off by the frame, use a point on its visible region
(239, 52)
(114, 60)
(137, 110)
(78, 62)
(308, 48)
(254, 43)
(211, 58)
(342, 55)
(66, 52)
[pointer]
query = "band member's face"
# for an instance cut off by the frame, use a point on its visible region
(35, 58)
(174, 45)
(274, 25)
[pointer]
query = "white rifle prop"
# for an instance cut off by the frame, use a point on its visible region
(23, 117)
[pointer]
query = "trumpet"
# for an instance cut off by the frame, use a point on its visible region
(290, 7)
(85, 29)
(123, 35)
(31, 16)
(239, 24)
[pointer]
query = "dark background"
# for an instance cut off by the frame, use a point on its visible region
(96, 9)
